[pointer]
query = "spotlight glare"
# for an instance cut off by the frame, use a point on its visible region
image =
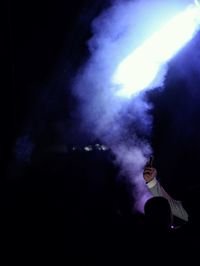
(139, 70)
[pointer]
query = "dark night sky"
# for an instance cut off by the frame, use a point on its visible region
(45, 44)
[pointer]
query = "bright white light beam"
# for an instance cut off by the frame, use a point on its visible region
(139, 70)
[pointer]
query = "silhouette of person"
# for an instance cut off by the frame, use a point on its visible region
(156, 189)
(158, 214)
(182, 242)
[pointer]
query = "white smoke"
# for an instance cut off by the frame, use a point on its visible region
(116, 32)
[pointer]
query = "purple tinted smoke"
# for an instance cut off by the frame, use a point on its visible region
(108, 117)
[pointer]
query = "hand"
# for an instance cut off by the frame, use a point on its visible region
(149, 173)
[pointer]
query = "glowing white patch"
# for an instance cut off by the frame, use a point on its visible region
(140, 68)
(197, 3)
(88, 148)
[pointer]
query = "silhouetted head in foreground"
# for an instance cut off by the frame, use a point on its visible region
(158, 216)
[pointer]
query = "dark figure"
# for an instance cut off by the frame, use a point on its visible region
(182, 240)
(158, 216)
(156, 189)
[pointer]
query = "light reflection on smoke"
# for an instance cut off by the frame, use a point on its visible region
(116, 33)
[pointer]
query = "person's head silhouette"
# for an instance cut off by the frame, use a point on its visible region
(158, 214)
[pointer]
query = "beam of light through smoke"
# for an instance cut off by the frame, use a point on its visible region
(124, 124)
(197, 3)
(139, 70)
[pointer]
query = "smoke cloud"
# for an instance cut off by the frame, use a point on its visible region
(124, 125)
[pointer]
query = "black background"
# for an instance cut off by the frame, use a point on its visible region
(42, 46)
(44, 43)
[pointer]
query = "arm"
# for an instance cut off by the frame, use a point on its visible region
(176, 206)
(157, 190)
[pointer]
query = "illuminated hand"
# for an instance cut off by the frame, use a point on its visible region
(149, 173)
